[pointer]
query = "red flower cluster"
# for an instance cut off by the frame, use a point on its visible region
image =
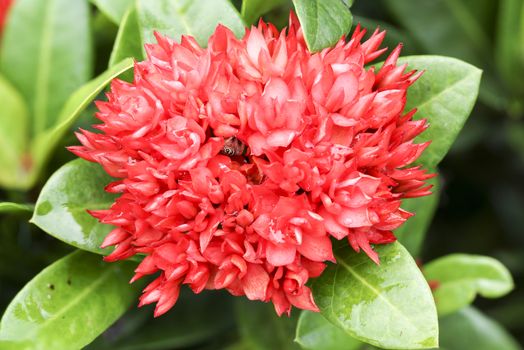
(5, 5)
(239, 162)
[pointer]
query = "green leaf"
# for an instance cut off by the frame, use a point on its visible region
(315, 332)
(193, 320)
(43, 146)
(470, 329)
(445, 96)
(324, 22)
(46, 54)
(67, 305)
(8, 207)
(172, 18)
(13, 136)
(389, 305)
(187, 17)
(61, 208)
(262, 329)
(113, 9)
(128, 41)
(461, 276)
(252, 10)
(411, 234)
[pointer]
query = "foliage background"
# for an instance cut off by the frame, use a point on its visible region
(481, 209)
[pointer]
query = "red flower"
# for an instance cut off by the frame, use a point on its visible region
(5, 5)
(238, 162)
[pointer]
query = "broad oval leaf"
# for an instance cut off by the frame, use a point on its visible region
(46, 54)
(470, 329)
(411, 234)
(445, 96)
(61, 208)
(315, 332)
(13, 136)
(460, 277)
(9, 207)
(261, 328)
(173, 18)
(252, 10)
(324, 22)
(113, 9)
(68, 304)
(44, 144)
(388, 305)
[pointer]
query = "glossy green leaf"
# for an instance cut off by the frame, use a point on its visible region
(61, 208)
(461, 277)
(411, 234)
(113, 9)
(388, 305)
(187, 17)
(252, 10)
(470, 329)
(44, 145)
(324, 22)
(194, 319)
(67, 305)
(445, 96)
(128, 41)
(46, 54)
(314, 332)
(262, 329)
(13, 136)
(172, 18)
(8, 207)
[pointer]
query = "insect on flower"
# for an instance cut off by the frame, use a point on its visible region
(233, 147)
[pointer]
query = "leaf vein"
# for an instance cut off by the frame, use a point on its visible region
(375, 291)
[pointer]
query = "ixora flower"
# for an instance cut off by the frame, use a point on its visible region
(238, 162)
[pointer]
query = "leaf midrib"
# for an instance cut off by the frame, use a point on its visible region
(181, 12)
(78, 298)
(102, 277)
(443, 91)
(362, 280)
